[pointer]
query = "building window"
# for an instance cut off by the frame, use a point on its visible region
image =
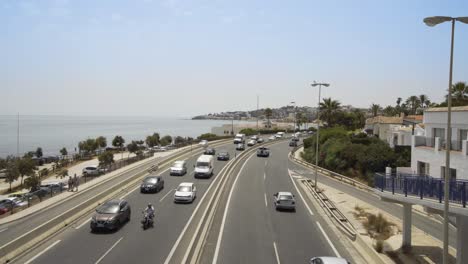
(423, 168)
(463, 135)
(438, 132)
(453, 173)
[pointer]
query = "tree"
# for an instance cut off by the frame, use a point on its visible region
(268, 112)
(425, 102)
(152, 140)
(118, 142)
(179, 140)
(132, 147)
(64, 151)
(63, 173)
(33, 182)
(248, 131)
(459, 94)
(389, 111)
(375, 109)
(413, 104)
(328, 109)
(207, 136)
(300, 117)
(106, 158)
(26, 166)
(88, 146)
(101, 142)
(398, 101)
(38, 152)
(166, 140)
(12, 172)
(3, 164)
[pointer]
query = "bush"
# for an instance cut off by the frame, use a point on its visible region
(379, 245)
(207, 136)
(248, 131)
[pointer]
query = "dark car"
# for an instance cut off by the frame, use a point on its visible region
(224, 155)
(260, 140)
(293, 143)
(263, 152)
(111, 215)
(295, 139)
(210, 151)
(152, 184)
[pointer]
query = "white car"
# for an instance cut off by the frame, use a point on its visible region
(284, 200)
(179, 168)
(251, 142)
(185, 193)
(328, 260)
(272, 138)
(92, 170)
(203, 143)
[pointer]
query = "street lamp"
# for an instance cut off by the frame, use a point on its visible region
(433, 21)
(294, 119)
(318, 129)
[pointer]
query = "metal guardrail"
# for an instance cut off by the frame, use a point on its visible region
(334, 212)
(329, 173)
(422, 186)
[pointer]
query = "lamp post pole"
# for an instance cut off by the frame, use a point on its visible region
(318, 129)
(433, 21)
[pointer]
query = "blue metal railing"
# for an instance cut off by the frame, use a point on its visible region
(422, 186)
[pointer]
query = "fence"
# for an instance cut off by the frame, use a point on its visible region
(422, 186)
(424, 141)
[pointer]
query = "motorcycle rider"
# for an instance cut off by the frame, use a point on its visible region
(149, 210)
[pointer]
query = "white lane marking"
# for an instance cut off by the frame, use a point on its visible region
(220, 235)
(109, 250)
(276, 253)
(176, 244)
(300, 194)
(160, 200)
(266, 203)
(84, 223)
(328, 240)
(4, 229)
(42, 252)
(264, 175)
(266, 162)
(134, 189)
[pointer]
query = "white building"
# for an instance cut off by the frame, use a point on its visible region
(428, 152)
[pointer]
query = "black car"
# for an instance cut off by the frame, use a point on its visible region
(223, 155)
(210, 151)
(295, 139)
(152, 184)
(293, 143)
(111, 215)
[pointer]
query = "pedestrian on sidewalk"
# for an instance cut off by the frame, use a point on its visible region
(76, 181)
(70, 184)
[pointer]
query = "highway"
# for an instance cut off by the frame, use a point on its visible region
(245, 229)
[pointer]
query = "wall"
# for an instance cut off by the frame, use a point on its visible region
(439, 120)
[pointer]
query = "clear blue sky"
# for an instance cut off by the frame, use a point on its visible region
(181, 58)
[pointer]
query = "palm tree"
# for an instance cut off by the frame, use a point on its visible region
(425, 102)
(398, 101)
(328, 108)
(460, 91)
(375, 109)
(268, 112)
(413, 102)
(389, 110)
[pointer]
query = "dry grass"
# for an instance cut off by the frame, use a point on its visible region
(377, 226)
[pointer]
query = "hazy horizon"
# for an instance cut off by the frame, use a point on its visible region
(187, 58)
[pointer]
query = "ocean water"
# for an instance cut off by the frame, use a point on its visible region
(52, 133)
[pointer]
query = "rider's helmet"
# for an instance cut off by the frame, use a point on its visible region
(149, 205)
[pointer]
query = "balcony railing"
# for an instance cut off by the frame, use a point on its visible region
(424, 141)
(422, 186)
(456, 145)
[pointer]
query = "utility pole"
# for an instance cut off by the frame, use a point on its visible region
(257, 113)
(17, 138)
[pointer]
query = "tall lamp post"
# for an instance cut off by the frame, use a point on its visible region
(318, 129)
(294, 120)
(433, 21)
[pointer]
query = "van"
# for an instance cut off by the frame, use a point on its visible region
(204, 166)
(240, 138)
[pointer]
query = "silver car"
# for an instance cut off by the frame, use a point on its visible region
(328, 260)
(284, 201)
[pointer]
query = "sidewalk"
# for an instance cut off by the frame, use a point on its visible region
(75, 169)
(67, 195)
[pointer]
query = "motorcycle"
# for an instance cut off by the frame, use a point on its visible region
(147, 221)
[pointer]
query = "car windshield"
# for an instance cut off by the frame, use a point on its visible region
(177, 165)
(203, 164)
(152, 180)
(184, 189)
(108, 208)
(223, 153)
(285, 197)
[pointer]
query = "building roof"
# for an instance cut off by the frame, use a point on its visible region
(384, 120)
(444, 109)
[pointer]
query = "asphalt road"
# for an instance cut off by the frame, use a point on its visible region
(78, 245)
(254, 232)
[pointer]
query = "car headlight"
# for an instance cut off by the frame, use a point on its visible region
(93, 219)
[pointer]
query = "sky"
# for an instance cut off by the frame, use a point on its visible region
(189, 57)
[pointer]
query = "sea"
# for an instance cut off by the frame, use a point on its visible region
(52, 133)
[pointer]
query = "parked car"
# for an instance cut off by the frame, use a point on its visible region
(260, 140)
(186, 192)
(203, 143)
(20, 194)
(3, 174)
(92, 170)
(12, 202)
(179, 168)
(240, 146)
(292, 143)
(210, 151)
(284, 200)
(55, 186)
(152, 184)
(295, 138)
(223, 155)
(263, 152)
(254, 137)
(251, 142)
(272, 138)
(328, 260)
(111, 215)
